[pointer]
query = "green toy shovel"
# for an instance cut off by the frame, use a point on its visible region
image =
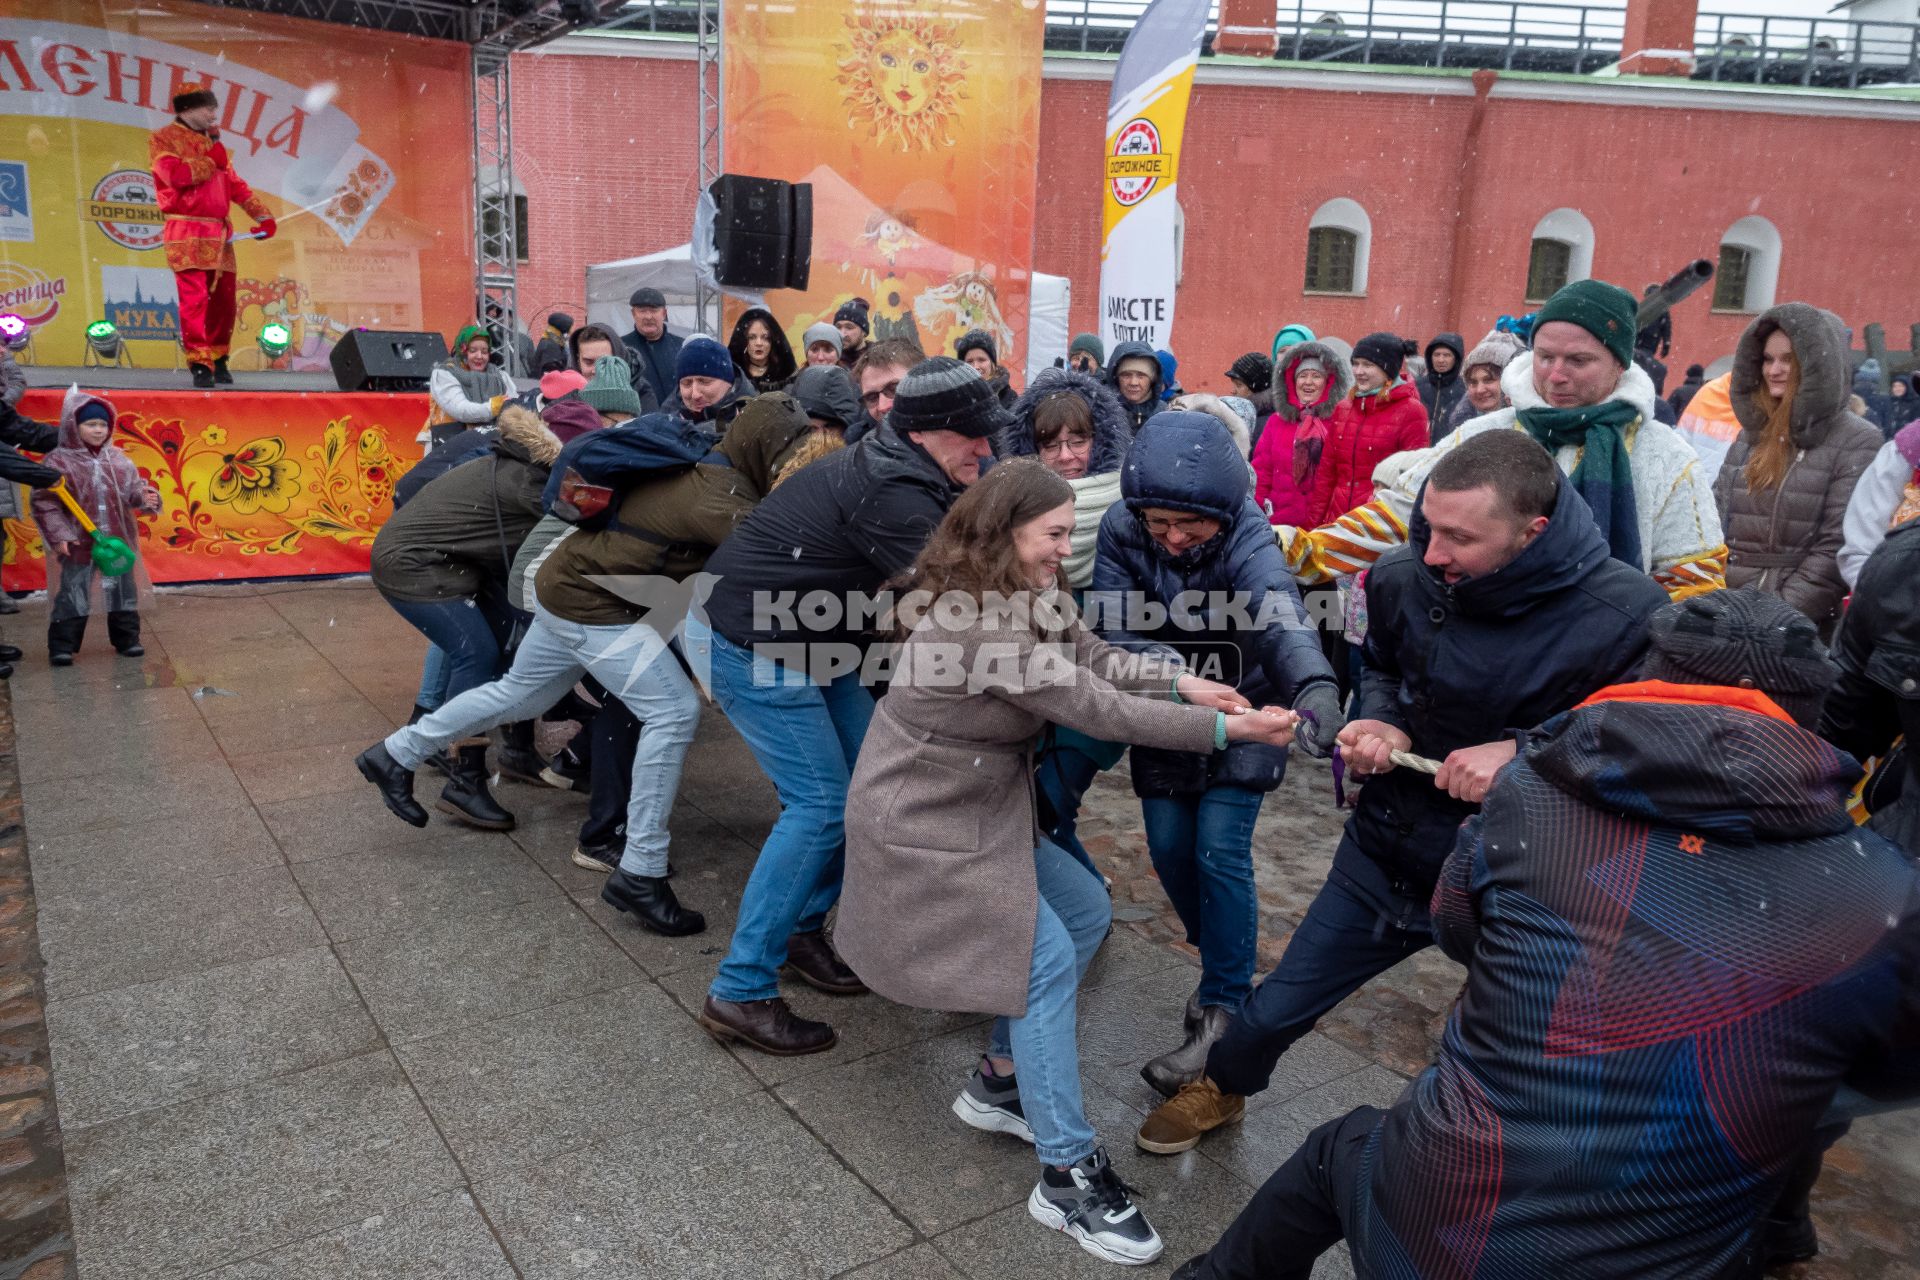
(111, 556)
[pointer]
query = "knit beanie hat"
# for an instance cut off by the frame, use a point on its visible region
(702, 357)
(942, 394)
(1254, 369)
(94, 411)
(191, 96)
(1496, 351)
(819, 333)
(976, 340)
(1291, 335)
(1746, 639)
(1304, 363)
(1696, 371)
(1384, 349)
(610, 390)
(647, 298)
(1604, 310)
(560, 322)
(854, 309)
(562, 382)
(468, 334)
(1091, 344)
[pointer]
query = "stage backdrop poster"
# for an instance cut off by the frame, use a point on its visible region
(370, 131)
(919, 130)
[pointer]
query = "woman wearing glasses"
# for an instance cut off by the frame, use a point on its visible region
(1187, 564)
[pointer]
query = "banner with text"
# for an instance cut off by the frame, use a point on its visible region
(320, 120)
(920, 132)
(1146, 116)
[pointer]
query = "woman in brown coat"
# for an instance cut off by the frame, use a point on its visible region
(953, 899)
(1784, 487)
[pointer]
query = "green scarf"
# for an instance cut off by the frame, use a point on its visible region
(1605, 475)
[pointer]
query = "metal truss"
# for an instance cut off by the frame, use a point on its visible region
(709, 142)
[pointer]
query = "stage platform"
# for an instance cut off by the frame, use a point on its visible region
(115, 378)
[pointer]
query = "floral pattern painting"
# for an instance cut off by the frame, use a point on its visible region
(251, 485)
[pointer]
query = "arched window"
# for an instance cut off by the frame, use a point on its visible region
(1562, 253)
(1339, 238)
(1749, 267)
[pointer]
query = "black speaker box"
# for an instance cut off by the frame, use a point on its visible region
(386, 359)
(763, 232)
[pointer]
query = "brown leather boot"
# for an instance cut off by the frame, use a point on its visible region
(812, 959)
(767, 1025)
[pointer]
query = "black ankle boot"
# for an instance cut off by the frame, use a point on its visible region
(220, 374)
(650, 900)
(438, 761)
(466, 796)
(395, 782)
(202, 376)
(514, 752)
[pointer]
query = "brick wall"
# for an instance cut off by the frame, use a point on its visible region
(1659, 182)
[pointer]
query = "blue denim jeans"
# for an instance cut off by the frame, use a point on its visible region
(1060, 780)
(1341, 945)
(634, 665)
(470, 634)
(1070, 926)
(806, 737)
(1202, 850)
(435, 671)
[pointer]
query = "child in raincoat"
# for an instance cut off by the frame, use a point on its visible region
(108, 487)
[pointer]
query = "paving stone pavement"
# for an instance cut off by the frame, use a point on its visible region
(293, 1037)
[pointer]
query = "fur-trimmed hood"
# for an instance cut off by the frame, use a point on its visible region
(1217, 407)
(521, 426)
(1820, 346)
(1636, 388)
(1111, 431)
(1339, 374)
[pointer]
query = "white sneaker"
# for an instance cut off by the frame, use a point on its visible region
(1090, 1203)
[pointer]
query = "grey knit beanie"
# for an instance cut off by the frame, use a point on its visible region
(1746, 639)
(942, 394)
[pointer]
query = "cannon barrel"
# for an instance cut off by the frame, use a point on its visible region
(1684, 282)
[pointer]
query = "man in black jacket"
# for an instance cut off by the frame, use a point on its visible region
(1877, 698)
(654, 348)
(1442, 387)
(19, 432)
(1503, 609)
(789, 678)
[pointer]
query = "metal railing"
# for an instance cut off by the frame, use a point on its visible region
(1505, 34)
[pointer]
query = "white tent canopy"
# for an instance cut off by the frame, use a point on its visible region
(610, 284)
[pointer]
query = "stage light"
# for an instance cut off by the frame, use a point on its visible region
(274, 340)
(104, 339)
(13, 332)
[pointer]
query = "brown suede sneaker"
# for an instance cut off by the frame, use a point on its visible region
(1177, 1124)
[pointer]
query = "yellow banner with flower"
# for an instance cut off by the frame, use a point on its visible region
(252, 485)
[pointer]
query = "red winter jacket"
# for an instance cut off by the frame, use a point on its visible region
(1366, 431)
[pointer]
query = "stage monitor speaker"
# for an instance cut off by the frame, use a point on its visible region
(763, 232)
(386, 359)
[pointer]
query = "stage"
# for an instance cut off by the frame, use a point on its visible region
(280, 475)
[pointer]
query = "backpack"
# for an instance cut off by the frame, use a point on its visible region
(594, 470)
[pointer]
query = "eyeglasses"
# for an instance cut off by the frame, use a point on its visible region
(1192, 526)
(872, 398)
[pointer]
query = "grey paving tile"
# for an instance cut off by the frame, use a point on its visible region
(81, 750)
(746, 804)
(60, 805)
(471, 967)
(84, 709)
(119, 935)
(200, 1183)
(98, 678)
(217, 842)
(246, 725)
(526, 1088)
(713, 890)
(293, 773)
(669, 1200)
(353, 821)
(703, 852)
(1126, 955)
(124, 1051)
(460, 874)
(443, 1238)
(921, 1262)
(1266, 1138)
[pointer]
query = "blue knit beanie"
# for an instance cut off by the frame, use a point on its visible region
(703, 357)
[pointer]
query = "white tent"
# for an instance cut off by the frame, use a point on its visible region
(610, 284)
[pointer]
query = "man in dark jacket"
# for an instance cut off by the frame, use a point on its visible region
(1503, 610)
(1678, 947)
(551, 351)
(1877, 698)
(654, 349)
(1682, 396)
(1135, 374)
(20, 432)
(1442, 387)
(708, 386)
(791, 679)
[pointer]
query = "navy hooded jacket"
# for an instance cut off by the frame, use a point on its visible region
(1137, 414)
(1245, 624)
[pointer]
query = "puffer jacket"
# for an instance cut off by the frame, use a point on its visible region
(1365, 431)
(1441, 666)
(1287, 454)
(459, 534)
(1187, 462)
(1137, 414)
(1786, 541)
(1877, 697)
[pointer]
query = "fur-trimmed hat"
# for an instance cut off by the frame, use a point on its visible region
(193, 95)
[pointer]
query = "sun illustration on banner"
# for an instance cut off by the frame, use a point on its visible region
(903, 77)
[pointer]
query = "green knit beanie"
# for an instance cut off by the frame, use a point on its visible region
(467, 335)
(1292, 335)
(610, 390)
(1604, 310)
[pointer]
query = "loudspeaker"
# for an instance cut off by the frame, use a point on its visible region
(762, 231)
(386, 359)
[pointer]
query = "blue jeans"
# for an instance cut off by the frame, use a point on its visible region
(1060, 780)
(435, 671)
(1341, 945)
(806, 737)
(634, 665)
(1202, 849)
(1070, 925)
(470, 634)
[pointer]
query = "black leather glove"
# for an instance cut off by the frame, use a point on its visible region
(1319, 702)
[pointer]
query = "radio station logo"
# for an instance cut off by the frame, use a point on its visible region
(1137, 163)
(125, 209)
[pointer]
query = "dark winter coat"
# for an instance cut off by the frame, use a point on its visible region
(669, 524)
(1137, 414)
(1002, 383)
(1785, 541)
(780, 362)
(459, 533)
(17, 431)
(847, 523)
(655, 361)
(1441, 392)
(549, 354)
(1677, 946)
(472, 443)
(1682, 395)
(826, 392)
(1188, 462)
(1877, 697)
(1112, 430)
(1458, 666)
(1365, 432)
